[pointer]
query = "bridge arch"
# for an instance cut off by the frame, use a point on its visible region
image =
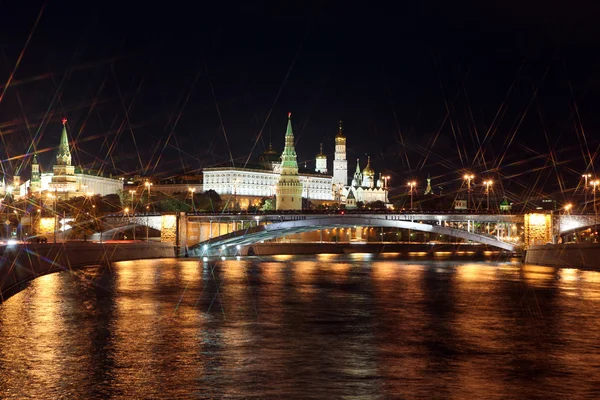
(278, 229)
(573, 223)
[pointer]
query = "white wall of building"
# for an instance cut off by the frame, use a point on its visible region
(249, 182)
(84, 184)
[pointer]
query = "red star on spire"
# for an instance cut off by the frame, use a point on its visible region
(64, 121)
(289, 115)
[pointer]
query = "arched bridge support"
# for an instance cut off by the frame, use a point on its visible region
(273, 230)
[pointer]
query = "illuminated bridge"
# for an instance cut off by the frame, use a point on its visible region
(195, 233)
(261, 228)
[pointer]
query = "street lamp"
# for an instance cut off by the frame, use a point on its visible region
(586, 177)
(568, 208)
(53, 199)
(147, 222)
(468, 178)
(385, 180)
(594, 186)
(148, 186)
(411, 185)
(132, 193)
(487, 184)
(192, 190)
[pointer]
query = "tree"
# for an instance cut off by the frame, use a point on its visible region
(124, 197)
(360, 205)
(400, 203)
(208, 201)
(86, 222)
(171, 204)
(110, 203)
(376, 205)
(268, 205)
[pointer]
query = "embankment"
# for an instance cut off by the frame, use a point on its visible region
(24, 262)
(403, 249)
(580, 255)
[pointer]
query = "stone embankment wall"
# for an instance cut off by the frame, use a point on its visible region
(22, 263)
(585, 255)
(413, 249)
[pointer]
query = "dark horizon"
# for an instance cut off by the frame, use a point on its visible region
(504, 90)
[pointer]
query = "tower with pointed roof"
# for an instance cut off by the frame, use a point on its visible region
(289, 189)
(63, 179)
(340, 164)
(321, 162)
(358, 177)
(428, 188)
(35, 175)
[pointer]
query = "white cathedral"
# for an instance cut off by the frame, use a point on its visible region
(280, 176)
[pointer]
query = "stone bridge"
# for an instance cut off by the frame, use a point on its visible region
(189, 229)
(573, 223)
(22, 263)
(303, 223)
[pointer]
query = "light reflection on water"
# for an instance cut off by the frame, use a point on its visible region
(328, 326)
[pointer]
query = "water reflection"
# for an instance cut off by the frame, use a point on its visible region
(328, 326)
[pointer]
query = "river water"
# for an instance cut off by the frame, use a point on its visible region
(324, 327)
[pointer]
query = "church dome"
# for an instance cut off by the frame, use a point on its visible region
(339, 137)
(270, 150)
(321, 155)
(368, 171)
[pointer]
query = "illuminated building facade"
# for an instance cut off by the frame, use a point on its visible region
(248, 185)
(64, 181)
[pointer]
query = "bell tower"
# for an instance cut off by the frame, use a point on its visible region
(340, 164)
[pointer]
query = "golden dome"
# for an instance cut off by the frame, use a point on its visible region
(321, 155)
(270, 150)
(340, 135)
(368, 171)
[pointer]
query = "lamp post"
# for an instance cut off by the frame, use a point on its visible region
(487, 184)
(17, 216)
(147, 221)
(595, 184)
(9, 191)
(586, 177)
(192, 190)
(411, 185)
(469, 178)
(148, 186)
(307, 193)
(132, 193)
(52, 198)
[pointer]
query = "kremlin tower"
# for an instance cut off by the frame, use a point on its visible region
(63, 179)
(289, 188)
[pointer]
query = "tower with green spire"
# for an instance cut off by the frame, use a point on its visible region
(63, 179)
(289, 188)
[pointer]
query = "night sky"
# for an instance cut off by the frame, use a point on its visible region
(506, 90)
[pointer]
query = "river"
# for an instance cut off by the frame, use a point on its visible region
(322, 327)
